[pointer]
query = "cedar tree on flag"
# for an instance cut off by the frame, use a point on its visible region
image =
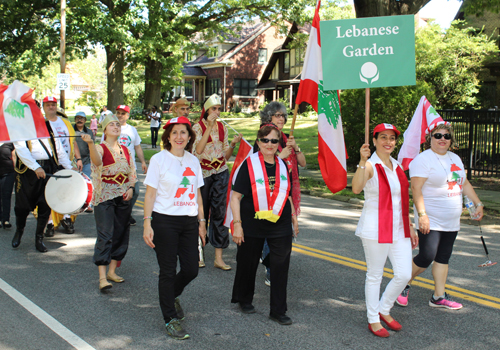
(244, 152)
(20, 117)
(331, 145)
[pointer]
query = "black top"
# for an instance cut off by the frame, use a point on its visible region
(260, 228)
(6, 165)
(82, 145)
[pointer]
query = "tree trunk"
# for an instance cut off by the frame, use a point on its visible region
(115, 60)
(375, 8)
(152, 85)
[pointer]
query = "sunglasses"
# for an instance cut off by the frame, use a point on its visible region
(279, 115)
(273, 141)
(438, 136)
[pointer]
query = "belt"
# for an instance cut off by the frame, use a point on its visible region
(119, 178)
(216, 163)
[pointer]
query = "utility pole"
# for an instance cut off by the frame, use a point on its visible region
(63, 48)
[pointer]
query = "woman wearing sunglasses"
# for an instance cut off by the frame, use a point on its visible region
(384, 226)
(437, 182)
(262, 209)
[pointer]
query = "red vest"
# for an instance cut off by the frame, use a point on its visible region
(108, 159)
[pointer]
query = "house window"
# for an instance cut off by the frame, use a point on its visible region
(188, 89)
(189, 56)
(213, 86)
(299, 56)
(262, 56)
(212, 52)
(286, 63)
(245, 87)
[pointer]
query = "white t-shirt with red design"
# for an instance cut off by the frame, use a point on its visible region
(60, 129)
(176, 185)
(130, 138)
(442, 191)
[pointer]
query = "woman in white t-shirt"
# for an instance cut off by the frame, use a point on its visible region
(173, 217)
(437, 182)
(384, 226)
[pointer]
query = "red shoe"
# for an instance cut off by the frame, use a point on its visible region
(394, 325)
(382, 333)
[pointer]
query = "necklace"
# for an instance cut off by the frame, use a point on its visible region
(439, 160)
(268, 166)
(113, 148)
(180, 159)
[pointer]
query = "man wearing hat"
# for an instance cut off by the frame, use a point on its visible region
(211, 147)
(181, 108)
(80, 129)
(35, 159)
(65, 132)
(130, 138)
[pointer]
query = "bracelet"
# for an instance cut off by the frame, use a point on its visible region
(233, 147)
(423, 213)
(293, 214)
(298, 151)
(200, 220)
(360, 166)
(147, 217)
(237, 221)
(77, 159)
(480, 204)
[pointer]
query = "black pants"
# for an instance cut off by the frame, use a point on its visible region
(30, 193)
(154, 136)
(6, 186)
(247, 260)
(435, 246)
(174, 236)
(214, 195)
(112, 221)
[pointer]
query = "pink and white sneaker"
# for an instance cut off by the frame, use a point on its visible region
(402, 299)
(445, 302)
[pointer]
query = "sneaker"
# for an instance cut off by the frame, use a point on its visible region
(175, 330)
(178, 309)
(445, 302)
(68, 225)
(49, 231)
(132, 221)
(402, 299)
(267, 282)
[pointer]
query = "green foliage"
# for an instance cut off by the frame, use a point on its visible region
(93, 99)
(479, 7)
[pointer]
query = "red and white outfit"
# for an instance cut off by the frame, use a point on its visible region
(398, 243)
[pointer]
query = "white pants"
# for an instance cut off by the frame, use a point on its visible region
(376, 255)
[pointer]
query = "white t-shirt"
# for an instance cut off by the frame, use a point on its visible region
(130, 138)
(176, 185)
(103, 115)
(155, 123)
(368, 222)
(442, 190)
(60, 129)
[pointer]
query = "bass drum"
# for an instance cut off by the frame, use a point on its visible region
(69, 195)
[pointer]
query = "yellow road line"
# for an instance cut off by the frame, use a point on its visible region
(463, 293)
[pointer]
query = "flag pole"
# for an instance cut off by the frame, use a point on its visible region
(367, 114)
(222, 120)
(294, 117)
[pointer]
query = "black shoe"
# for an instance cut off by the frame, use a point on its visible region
(132, 221)
(49, 232)
(281, 319)
(39, 244)
(247, 308)
(7, 224)
(68, 225)
(178, 309)
(16, 241)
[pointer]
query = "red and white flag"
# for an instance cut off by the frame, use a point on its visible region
(424, 120)
(331, 145)
(244, 152)
(20, 117)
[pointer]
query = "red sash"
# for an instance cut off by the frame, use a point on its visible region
(385, 217)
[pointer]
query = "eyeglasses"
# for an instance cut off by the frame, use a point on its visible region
(273, 141)
(279, 116)
(438, 136)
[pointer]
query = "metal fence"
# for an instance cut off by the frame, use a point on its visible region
(477, 133)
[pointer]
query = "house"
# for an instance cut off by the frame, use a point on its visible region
(231, 66)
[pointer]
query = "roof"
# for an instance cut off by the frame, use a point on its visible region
(193, 71)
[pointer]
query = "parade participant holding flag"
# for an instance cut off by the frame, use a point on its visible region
(212, 149)
(114, 179)
(384, 226)
(438, 181)
(262, 208)
(173, 217)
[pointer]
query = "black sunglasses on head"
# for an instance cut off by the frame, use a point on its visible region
(273, 141)
(438, 136)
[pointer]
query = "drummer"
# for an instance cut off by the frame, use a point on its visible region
(35, 159)
(114, 179)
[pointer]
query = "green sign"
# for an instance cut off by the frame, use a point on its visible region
(368, 52)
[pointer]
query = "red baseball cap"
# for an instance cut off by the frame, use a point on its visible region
(178, 120)
(384, 126)
(50, 99)
(124, 108)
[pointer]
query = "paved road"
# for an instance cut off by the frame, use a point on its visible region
(326, 295)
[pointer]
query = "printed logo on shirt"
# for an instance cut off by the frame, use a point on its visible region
(185, 192)
(125, 140)
(61, 131)
(455, 179)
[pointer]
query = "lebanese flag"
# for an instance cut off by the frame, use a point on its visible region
(424, 120)
(331, 145)
(20, 118)
(245, 151)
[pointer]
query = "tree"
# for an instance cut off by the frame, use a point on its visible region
(479, 7)
(375, 8)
